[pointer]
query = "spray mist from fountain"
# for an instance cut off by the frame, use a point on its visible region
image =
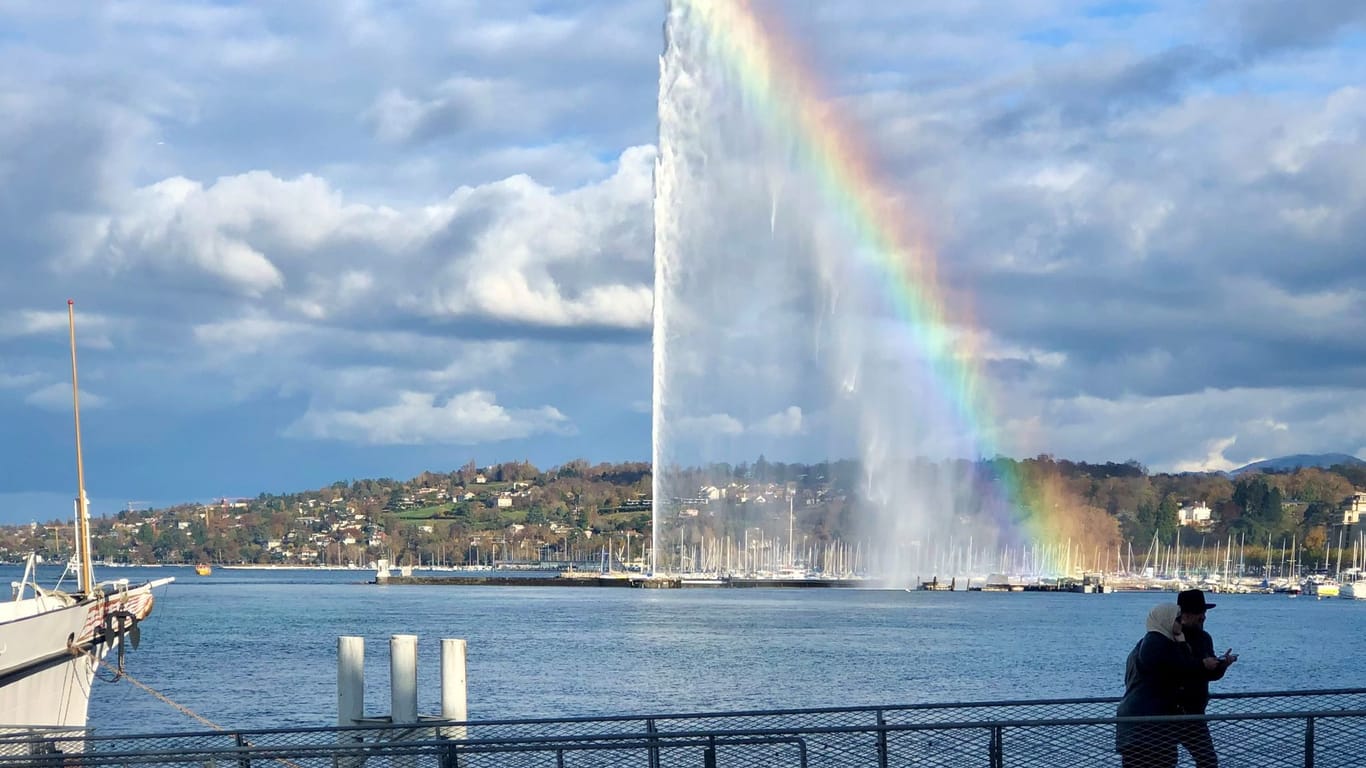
(780, 331)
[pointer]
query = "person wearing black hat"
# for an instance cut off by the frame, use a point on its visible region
(1194, 736)
(1154, 674)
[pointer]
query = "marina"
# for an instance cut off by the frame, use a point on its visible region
(537, 651)
(1318, 586)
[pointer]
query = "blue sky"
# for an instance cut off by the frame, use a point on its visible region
(314, 241)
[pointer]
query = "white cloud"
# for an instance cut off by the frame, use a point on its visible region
(57, 397)
(26, 322)
(226, 229)
(1193, 431)
(16, 380)
(418, 418)
(243, 334)
(397, 117)
(511, 251)
(711, 424)
(507, 295)
(92, 330)
(785, 422)
(1214, 460)
(552, 260)
(482, 107)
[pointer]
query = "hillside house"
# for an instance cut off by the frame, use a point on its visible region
(1354, 509)
(1195, 515)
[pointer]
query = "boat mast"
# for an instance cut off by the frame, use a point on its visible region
(86, 577)
(790, 519)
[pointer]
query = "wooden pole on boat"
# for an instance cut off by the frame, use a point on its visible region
(86, 577)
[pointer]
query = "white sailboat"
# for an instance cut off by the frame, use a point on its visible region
(52, 641)
(1354, 585)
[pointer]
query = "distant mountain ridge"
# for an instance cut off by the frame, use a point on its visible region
(1298, 461)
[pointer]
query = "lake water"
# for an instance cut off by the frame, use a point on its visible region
(252, 648)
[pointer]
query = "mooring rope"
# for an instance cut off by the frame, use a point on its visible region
(180, 707)
(162, 697)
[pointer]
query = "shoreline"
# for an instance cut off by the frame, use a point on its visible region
(636, 582)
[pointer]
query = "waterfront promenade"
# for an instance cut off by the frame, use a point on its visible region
(1319, 728)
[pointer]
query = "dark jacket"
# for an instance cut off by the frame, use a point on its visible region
(1154, 675)
(1195, 694)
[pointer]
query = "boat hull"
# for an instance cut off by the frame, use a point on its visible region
(1353, 590)
(50, 647)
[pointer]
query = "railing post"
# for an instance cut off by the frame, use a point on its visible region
(654, 745)
(1309, 742)
(709, 755)
(242, 760)
(997, 749)
(881, 740)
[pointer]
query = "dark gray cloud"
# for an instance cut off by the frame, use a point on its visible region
(1269, 26)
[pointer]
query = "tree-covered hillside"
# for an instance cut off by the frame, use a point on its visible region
(515, 511)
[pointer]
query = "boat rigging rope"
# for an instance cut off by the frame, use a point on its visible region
(180, 707)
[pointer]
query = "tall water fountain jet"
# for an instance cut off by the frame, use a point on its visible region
(798, 317)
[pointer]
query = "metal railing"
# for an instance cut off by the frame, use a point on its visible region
(1316, 729)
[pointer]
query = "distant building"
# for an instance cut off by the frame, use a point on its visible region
(1354, 508)
(1195, 516)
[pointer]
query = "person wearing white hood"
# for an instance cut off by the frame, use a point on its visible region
(1157, 669)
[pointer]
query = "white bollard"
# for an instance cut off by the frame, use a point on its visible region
(453, 701)
(403, 678)
(350, 680)
(350, 696)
